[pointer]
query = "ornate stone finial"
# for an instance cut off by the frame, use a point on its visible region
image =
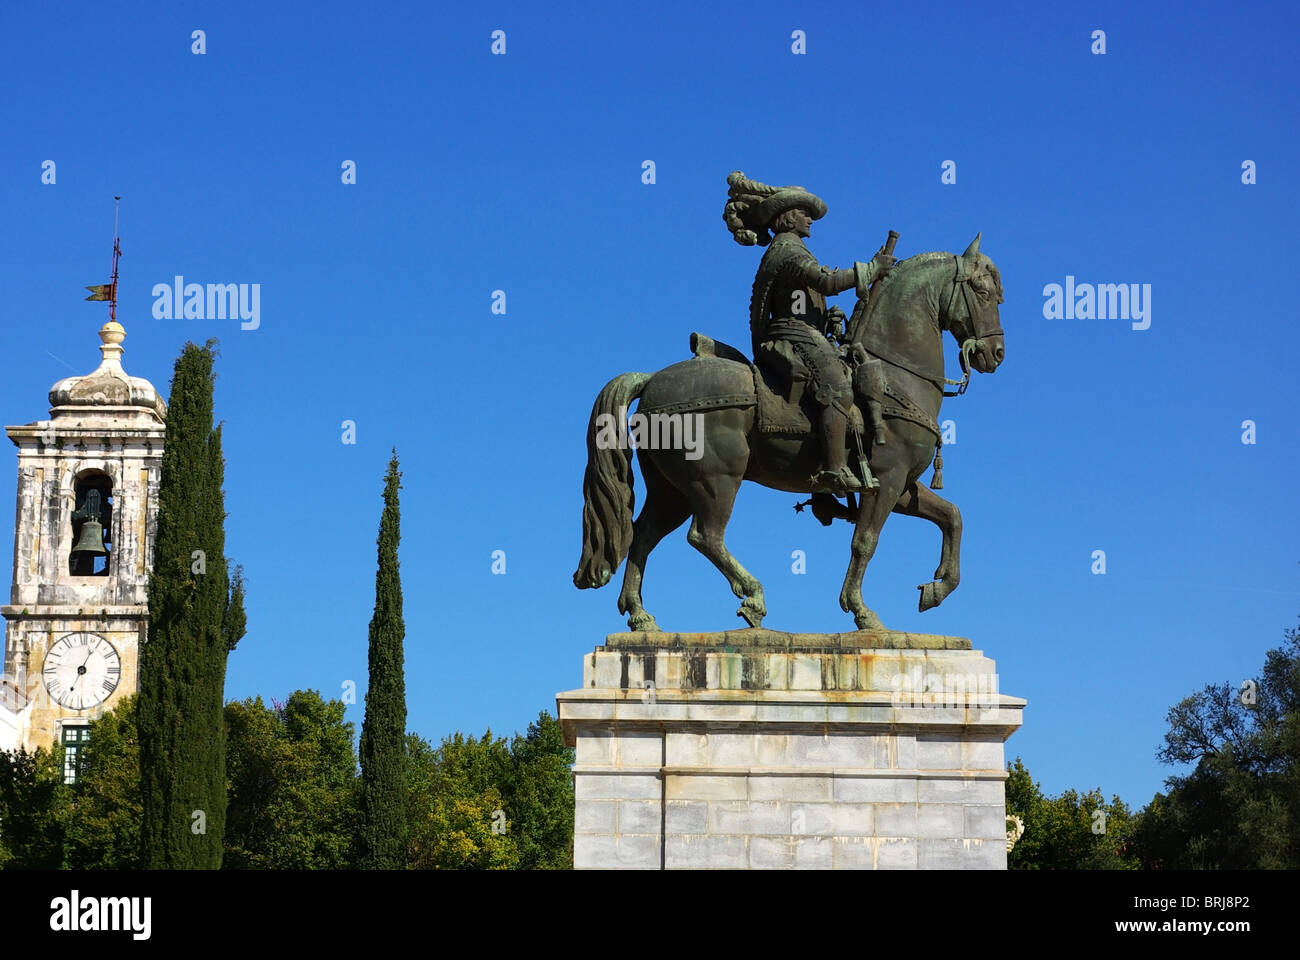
(112, 334)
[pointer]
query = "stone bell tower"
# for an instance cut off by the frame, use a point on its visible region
(83, 548)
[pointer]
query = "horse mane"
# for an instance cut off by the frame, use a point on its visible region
(916, 260)
(920, 259)
(984, 268)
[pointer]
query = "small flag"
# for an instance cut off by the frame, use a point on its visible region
(103, 291)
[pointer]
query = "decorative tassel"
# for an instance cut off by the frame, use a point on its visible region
(936, 482)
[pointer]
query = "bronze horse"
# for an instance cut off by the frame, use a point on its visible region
(922, 297)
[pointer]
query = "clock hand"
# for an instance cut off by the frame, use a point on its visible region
(81, 672)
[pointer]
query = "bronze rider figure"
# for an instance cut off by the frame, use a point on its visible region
(789, 319)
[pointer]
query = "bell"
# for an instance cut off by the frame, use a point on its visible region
(91, 540)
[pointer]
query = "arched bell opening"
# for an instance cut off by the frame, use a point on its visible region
(92, 526)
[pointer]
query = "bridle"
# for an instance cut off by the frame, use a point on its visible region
(965, 272)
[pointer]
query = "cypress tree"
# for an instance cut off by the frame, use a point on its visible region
(382, 830)
(196, 617)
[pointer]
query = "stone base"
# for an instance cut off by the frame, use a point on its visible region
(753, 749)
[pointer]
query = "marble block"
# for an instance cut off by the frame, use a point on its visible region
(767, 750)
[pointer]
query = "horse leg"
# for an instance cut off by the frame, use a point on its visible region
(665, 510)
(920, 501)
(711, 504)
(873, 511)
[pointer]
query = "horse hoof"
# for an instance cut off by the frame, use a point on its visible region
(929, 597)
(751, 614)
(868, 621)
(643, 623)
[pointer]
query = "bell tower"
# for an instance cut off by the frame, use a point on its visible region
(83, 548)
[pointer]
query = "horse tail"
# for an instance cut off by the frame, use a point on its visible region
(608, 498)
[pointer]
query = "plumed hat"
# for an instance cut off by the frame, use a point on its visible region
(752, 206)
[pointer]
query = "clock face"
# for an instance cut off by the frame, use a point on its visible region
(81, 670)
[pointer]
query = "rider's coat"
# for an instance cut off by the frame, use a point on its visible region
(790, 279)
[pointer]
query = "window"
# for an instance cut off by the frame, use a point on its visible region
(74, 741)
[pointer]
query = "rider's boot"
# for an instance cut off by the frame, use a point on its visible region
(837, 477)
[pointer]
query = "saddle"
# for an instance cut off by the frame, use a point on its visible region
(782, 409)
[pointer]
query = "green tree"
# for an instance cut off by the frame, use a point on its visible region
(539, 800)
(1071, 832)
(480, 803)
(456, 807)
(195, 619)
(103, 814)
(33, 798)
(292, 784)
(1024, 799)
(383, 833)
(291, 793)
(1239, 805)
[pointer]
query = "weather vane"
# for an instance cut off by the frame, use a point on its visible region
(108, 291)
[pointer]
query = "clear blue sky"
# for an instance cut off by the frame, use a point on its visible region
(523, 173)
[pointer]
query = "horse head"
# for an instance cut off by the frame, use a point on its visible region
(972, 315)
(925, 295)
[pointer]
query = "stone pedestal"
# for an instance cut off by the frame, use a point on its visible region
(755, 749)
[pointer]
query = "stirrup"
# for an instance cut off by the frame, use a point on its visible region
(837, 482)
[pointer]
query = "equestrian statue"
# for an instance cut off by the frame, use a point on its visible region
(831, 406)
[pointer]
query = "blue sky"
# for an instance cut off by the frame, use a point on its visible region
(522, 173)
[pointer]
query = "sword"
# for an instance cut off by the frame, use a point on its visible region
(864, 467)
